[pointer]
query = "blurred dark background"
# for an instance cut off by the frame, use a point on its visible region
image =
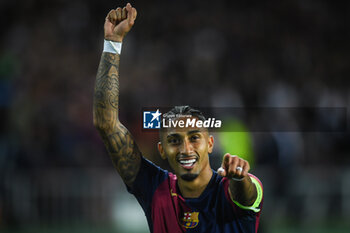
(55, 175)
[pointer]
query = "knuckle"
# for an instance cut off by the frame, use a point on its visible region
(232, 170)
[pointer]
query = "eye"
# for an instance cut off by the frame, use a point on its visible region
(173, 141)
(195, 137)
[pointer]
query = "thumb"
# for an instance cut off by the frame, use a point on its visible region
(131, 14)
(221, 171)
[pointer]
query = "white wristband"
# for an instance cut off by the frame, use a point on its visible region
(112, 47)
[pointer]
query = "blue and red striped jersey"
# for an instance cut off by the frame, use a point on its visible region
(168, 212)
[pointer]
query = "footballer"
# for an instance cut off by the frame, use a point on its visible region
(194, 198)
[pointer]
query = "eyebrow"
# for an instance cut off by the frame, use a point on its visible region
(188, 133)
(172, 135)
(194, 131)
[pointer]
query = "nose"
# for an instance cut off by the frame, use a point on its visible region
(186, 147)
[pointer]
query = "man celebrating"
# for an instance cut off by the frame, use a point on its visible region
(195, 198)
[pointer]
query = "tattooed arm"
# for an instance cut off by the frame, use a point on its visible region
(120, 145)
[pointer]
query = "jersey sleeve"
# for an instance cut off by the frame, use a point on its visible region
(147, 180)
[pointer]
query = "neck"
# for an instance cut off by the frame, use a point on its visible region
(194, 188)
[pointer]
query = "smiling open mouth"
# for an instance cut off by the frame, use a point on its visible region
(187, 163)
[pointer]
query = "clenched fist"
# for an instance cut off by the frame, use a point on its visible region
(234, 167)
(119, 22)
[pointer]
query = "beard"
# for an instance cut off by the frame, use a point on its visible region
(189, 177)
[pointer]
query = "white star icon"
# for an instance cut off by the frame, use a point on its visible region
(156, 115)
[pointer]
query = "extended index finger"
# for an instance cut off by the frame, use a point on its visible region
(226, 161)
(224, 165)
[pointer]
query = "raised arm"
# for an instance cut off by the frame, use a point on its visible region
(244, 189)
(120, 144)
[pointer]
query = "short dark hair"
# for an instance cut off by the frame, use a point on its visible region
(185, 110)
(181, 110)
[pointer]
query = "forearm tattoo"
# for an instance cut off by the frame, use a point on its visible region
(119, 142)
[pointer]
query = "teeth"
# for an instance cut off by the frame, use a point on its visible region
(187, 161)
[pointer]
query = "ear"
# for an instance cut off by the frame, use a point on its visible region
(210, 144)
(161, 150)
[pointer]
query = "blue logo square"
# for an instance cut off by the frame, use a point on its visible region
(151, 119)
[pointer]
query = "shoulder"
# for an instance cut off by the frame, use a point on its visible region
(149, 176)
(149, 166)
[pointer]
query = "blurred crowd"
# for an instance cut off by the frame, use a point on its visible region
(200, 53)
